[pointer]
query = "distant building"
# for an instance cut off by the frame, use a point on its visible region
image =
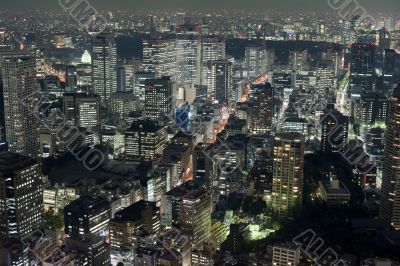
(71, 79)
(255, 57)
(362, 65)
(158, 98)
(221, 86)
(104, 66)
(262, 108)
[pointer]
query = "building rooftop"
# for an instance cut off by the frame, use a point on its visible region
(134, 211)
(10, 162)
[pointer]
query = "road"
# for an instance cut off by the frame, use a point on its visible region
(342, 100)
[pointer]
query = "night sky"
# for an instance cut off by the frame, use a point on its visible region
(283, 5)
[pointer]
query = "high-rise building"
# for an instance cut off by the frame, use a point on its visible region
(255, 57)
(158, 98)
(121, 78)
(374, 107)
(81, 109)
(159, 56)
(287, 186)
(195, 216)
(139, 83)
(213, 49)
(391, 68)
(326, 78)
(145, 139)
(298, 60)
(188, 51)
(19, 86)
(71, 79)
(87, 215)
(142, 215)
(221, 87)
(390, 199)
(104, 66)
(262, 108)
(362, 65)
(334, 131)
(21, 199)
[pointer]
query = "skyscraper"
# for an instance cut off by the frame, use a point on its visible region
(159, 56)
(121, 78)
(287, 186)
(19, 85)
(262, 108)
(334, 131)
(158, 98)
(104, 66)
(362, 65)
(221, 82)
(390, 200)
(81, 109)
(145, 139)
(188, 51)
(71, 79)
(195, 216)
(255, 57)
(21, 200)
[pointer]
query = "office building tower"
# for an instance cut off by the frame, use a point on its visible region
(298, 60)
(159, 57)
(286, 254)
(195, 216)
(89, 249)
(221, 87)
(212, 49)
(390, 191)
(255, 57)
(188, 51)
(140, 216)
(87, 214)
(326, 78)
(391, 68)
(19, 87)
(123, 103)
(81, 109)
(287, 186)
(104, 66)
(362, 65)
(334, 131)
(21, 199)
(374, 107)
(121, 78)
(71, 79)
(262, 108)
(145, 139)
(158, 98)
(139, 83)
